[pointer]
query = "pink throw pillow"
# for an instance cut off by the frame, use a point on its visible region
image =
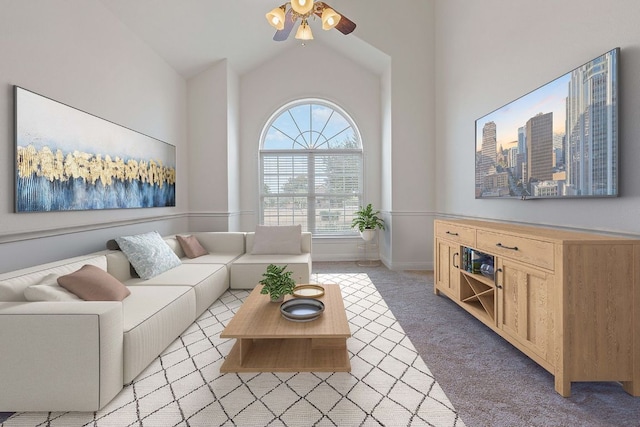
(92, 283)
(191, 247)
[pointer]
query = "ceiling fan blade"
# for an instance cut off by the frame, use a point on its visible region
(283, 34)
(345, 25)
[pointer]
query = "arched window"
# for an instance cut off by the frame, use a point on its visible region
(311, 168)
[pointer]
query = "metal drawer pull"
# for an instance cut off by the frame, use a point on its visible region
(500, 245)
(453, 234)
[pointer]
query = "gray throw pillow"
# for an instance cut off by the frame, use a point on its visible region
(148, 253)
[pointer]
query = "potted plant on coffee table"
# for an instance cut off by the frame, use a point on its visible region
(277, 282)
(367, 221)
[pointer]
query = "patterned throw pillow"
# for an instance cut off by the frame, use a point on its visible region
(148, 253)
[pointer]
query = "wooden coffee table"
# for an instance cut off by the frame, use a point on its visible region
(267, 342)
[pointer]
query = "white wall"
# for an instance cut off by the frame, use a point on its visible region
(77, 53)
(127, 83)
(209, 148)
(405, 125)
(314, 71)
(406, 32)
(491, 52)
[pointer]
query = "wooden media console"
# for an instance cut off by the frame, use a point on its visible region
(568, 300)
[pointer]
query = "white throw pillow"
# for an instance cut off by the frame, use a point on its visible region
(277, 240)
(10, 293)
(48, 289)
(148, 253)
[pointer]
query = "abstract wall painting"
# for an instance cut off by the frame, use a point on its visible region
(67, 160)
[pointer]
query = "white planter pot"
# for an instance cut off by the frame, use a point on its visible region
(368, 234)
(280, 299)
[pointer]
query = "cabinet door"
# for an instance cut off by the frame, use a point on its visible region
(447, 268)
(524, 306)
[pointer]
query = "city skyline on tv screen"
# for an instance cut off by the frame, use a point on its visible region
(560, 140)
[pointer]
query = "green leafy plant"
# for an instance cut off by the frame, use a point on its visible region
(367, 218)
(277, 282)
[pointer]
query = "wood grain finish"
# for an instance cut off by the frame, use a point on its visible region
(456, 233)
(524, 309)
(448, 276)
(568, 300)
(531, 251)
(267, 342)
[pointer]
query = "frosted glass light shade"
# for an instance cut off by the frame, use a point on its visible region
(276, 18)
(329, 18)
(302, 7)
(304, 31)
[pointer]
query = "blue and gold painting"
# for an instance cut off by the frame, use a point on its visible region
(67, 159)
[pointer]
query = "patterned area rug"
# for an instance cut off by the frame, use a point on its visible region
(389, 384)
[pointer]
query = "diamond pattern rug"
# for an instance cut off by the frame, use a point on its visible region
(389, 384)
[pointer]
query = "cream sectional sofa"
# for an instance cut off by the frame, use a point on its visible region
(77, 355)
(246, 271)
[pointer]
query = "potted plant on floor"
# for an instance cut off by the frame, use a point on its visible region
(277, 282)
(367, 221)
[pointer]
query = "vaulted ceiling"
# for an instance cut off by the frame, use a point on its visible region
(191, 35)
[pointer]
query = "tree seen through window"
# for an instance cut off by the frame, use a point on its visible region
(311, 168)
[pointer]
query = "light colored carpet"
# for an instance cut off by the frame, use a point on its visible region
(389, 383)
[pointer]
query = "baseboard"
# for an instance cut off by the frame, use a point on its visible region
(403, 266)
(334, 257)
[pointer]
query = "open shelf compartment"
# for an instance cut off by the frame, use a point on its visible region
(478, 294)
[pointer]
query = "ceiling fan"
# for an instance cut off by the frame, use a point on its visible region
(284, 17)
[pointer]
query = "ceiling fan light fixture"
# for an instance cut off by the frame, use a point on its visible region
(329, 18)
(276, 18)
(297, 13)
(302, 7)
(304, 31)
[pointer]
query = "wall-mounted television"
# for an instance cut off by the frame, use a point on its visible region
(558, 141)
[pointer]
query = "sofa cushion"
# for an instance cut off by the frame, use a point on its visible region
(11, 293)
(229, 242)
(182, 275)
(248, 270)
(94, 284)
(112, 245)
(215, 258)
(191, 246)
(14, 283)
(49, 290)
(280, 240)
(153, 317)
(118, 266)
(208, 280)
(149, 254)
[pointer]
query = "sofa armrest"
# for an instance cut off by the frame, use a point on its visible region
(60, 356)
(305, 242)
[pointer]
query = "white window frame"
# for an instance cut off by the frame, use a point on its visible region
(311, 196)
